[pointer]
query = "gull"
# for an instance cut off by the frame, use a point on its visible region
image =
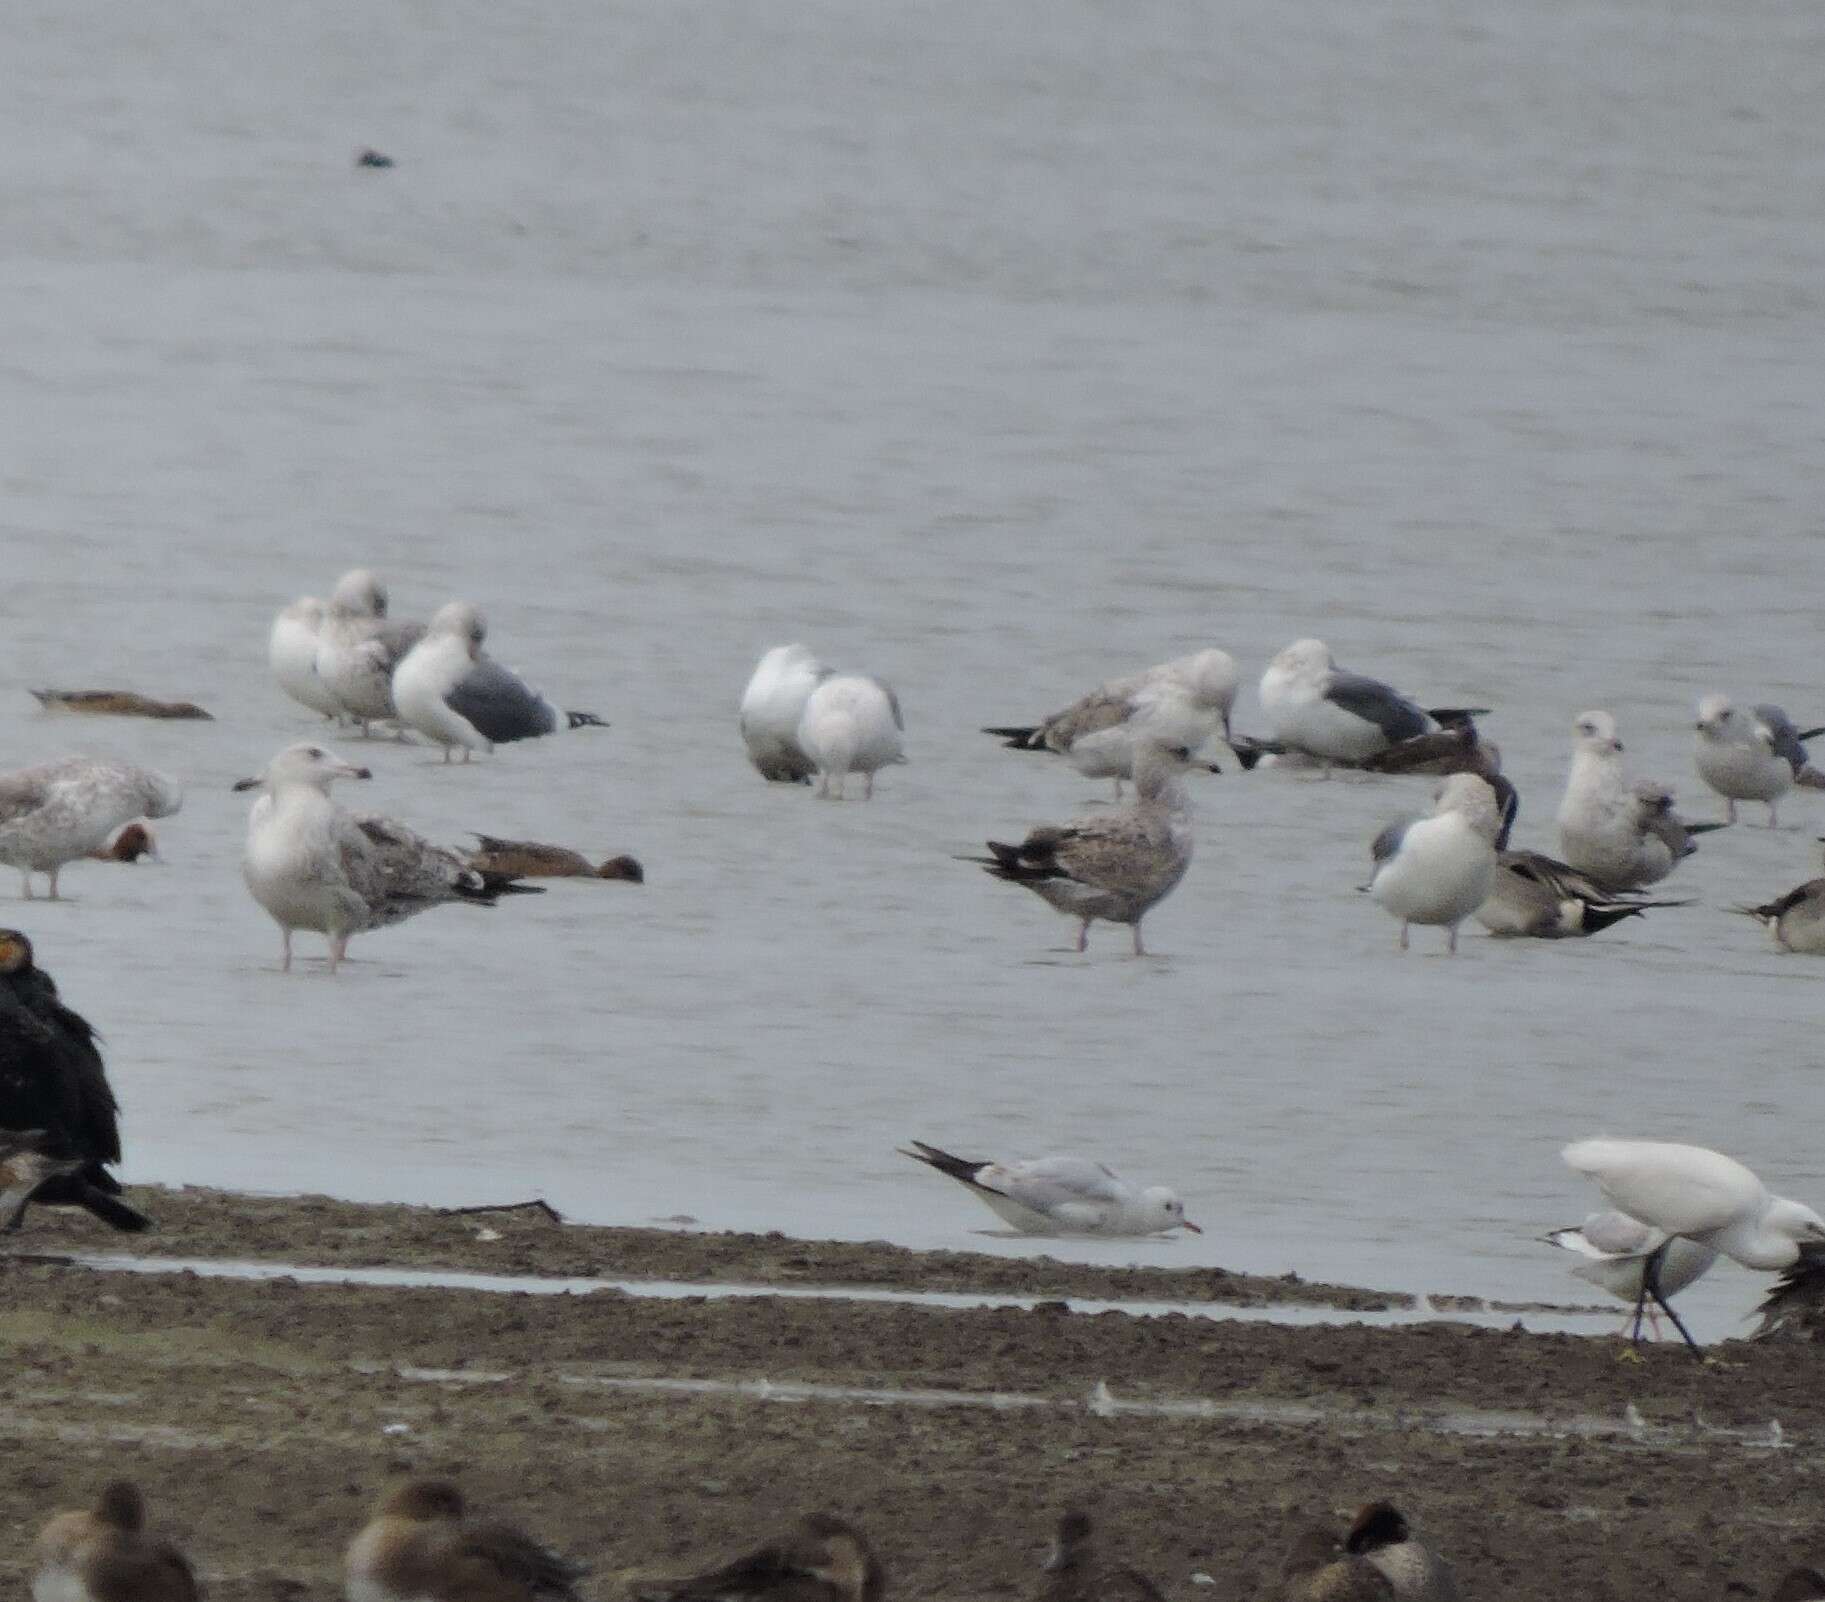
(1752, 755)
(105, 1555)
(851, 724)
(1537, 895)
(1317, 708)
(421, 1546)
(1795, 921)
(1616, 1249)
(772, 707)
(1182, 702)
(455, 694)
(1116, 865)
(312, 865)
(358, 646)
(1061, 1195)
(1417, 1573)
(58, 812)
(821, 1559)
(1624, 835)
(1699, 1194)
(291, 652)
(1438, 869)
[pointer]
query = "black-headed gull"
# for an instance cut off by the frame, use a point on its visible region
(1615, 1250)
(1061, 1195)
(1752, 753)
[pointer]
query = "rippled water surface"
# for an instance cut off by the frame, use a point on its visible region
(993, 349)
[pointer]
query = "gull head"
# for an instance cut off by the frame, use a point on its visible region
(463, 622)
(1157, 765)
(1306, 659)
(1595, 732)
(1211, 678)
(1474, 799)
(304, 764)
(1163, 1205)
(1716, 717)
(359, 594)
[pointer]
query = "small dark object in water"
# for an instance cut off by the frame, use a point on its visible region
(373, 158)
(117, 703)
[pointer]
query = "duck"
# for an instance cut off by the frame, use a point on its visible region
(421, 1546)
(823, 1558)
(528, 859)
(105, 1555)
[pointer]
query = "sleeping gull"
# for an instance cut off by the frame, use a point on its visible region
(1752, 755)
(851, 724)
(449, 690)
(59, 811)
(1537, 895)
(1624, 835)
(1317, 708)
(1061, 1195)
(1795, 921)
(1438, 869)
(1182, 702)
(313, 865)
(291, 651)
(772, 707)
(1615, 1249)
(1115, 865)
(1700, 1195)
(358, 647)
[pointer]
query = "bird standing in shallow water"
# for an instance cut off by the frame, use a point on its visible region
(105, 1555)
(1438, 869)
(772, 707)
(1752, 754)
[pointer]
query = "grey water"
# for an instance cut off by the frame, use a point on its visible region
(994, 350)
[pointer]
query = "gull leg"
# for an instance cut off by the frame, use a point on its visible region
(1729, 809)
(25, 878)
(339, 945)
(1773, 822)
(1451, 942)
(446, 756)
(1403, 934)
(868, 787)
(1139, 949)
(1641, 1297)
(285, 951)
(1083, 935)
(1118, 787)
(53, 878)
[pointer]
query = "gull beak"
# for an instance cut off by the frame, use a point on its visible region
(1194, 1228)
(348, 771)
(247, 784)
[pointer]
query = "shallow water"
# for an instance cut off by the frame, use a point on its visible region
(993, 350)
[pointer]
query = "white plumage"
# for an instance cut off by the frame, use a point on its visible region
(773, 706)
(851, 724)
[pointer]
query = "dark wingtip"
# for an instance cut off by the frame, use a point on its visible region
(1020, 737)
(586, 720)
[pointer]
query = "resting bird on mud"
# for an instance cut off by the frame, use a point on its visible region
(420, 1546)
(105, 1555)
(823, 1559)
(52, 1080)
(1417, 1573)
(1317, 1569)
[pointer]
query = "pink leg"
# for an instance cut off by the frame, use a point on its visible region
(1403, 927)
(868, 787)
(1139, 949)
(26, 877)
(1451, 944)
(53, 876)
(1083, 935)
(339, 945)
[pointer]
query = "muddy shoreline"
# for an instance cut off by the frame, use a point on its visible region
(263, 1416)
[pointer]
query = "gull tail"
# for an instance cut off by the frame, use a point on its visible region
(1029, 738)
(482, 886)
(935, 1157)
(1809, 777)
(586, 720)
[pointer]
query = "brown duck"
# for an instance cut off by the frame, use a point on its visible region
(527, 859)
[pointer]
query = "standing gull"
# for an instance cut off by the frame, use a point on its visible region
(1795, 921)
(1616, 1248)
(1061, 1195)
(1318, 709)
(60, 811)
(772, 707)
(1752, 755)
(1699, 1194)
(455, 694)
(312, 865)
(291, 651)
(1624, 834)
(1182, 702)
(1116, 865)
(1438, 869)
(851, 724)
(358, 647)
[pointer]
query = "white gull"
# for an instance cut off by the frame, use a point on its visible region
(1438, 869)
(1184, 702)
(1753, 754)
(449, 690)
(851, 724)
(1616, 1247)
(358, 647)
(1061, 1195)
(313, 865)
(56, 812)
(772, 707)
(1625, 834)
(1316, 708)
(291, 651)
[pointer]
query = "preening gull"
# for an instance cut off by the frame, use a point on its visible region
(313, 865)
(61, 811)
(52, 1081)
(291, 652)
(421, 1544)
(1752, 755)
(1615, 1249)
(773, 706)
(1182, 702)
(1537, 895)
(822, 1558)
(851, 724)
(527, 859)
(1699, 1194)
(1795, 921)
(1438, 869)
(1114, 865)
(1418, 1574)
(1317, 708)
(105, 1555)
(1061, 1195)
(1623, 834)
(455, 694)
(358, 647)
